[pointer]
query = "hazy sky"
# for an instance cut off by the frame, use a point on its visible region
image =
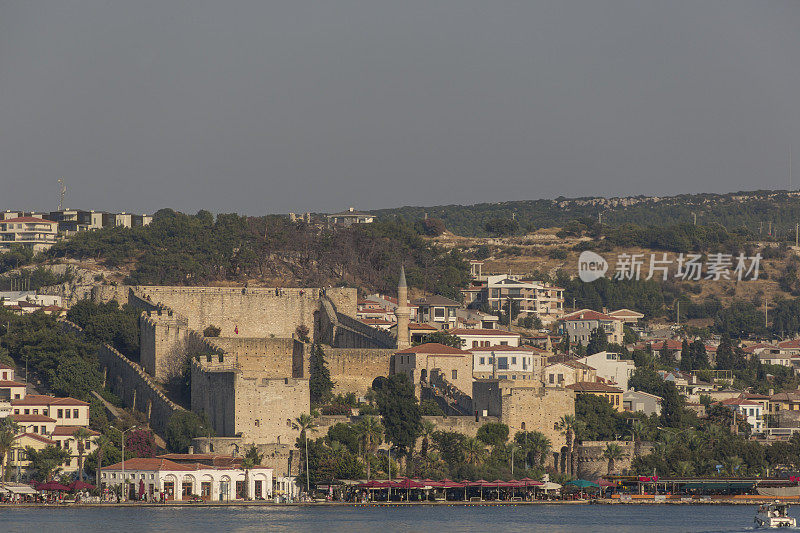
(297, 105)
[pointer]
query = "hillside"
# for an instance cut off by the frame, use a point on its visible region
(751, 212)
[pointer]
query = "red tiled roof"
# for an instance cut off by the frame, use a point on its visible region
(587, 386)
(489, 332)
(68, 431)
(6, 383)
(32, 418)
(738, 401)
(41, 399)
(27, 219)
(5, 367)
(375, 321)
(587, 314)
(36, 436)
(753, 347)
(625, 312)
(434, 348)
(416, 325)
(789, 344)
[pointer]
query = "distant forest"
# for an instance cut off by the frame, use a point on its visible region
(750, 213)
(181, 249)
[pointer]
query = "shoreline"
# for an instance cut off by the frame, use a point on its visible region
(201, 505)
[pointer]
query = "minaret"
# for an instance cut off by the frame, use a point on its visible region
(403, 313)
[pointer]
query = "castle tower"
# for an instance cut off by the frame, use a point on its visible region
(403, 313)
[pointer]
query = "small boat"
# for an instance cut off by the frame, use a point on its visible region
(774, 515)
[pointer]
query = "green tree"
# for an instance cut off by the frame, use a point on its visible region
(598, 341)
(319, 383)
(183, 426)
(371, 430)
(81, 437)
(251, 459)
(400, 411)
(502, 226)
(638, 430)
(47, 462)
(612, 453)
(8, 431)
(474, 450)
(442, 337)
(567, 424)
(305, 423)
(493, 433)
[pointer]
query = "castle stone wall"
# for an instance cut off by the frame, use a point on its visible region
(530, 408)
(264, 357)
(354, 369)
(242, 311)
(132, 384)
(162, 341)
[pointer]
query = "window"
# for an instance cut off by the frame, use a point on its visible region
(503, 343)
(502, 363)
(474, 344)
(36, 411)
(27, 411)
(60, 413)
(455, 374)
(68, 413)
(552, 378)
(75, 413)
(438, 312)
(513, 360)
(482, 359)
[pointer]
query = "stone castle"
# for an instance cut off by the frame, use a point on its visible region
(252, 380)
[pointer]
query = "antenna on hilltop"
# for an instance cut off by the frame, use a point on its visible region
(62, 193)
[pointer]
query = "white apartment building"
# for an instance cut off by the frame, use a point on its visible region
(611, 367)
(36, 234)
(508, 362)
(480, 338)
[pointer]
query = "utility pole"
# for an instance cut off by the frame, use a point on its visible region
(766, 323)
(695, 218)
(678, 313)
(797, 235)
(770, 229)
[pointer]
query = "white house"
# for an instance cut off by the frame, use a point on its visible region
(65, 411)
(478, 338)
(508, 362)
(611, 367)
(182, 481)
(752, 411)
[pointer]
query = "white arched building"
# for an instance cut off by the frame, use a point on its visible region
(181, 481)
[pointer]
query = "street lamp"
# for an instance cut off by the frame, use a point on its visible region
(124, 496)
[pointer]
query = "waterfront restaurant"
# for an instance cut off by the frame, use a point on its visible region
(177, 481)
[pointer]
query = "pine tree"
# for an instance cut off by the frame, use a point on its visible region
(686, 356)
(320, 384)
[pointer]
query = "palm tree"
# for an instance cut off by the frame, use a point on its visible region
(81, 436)
(474, 450)
(102, 442)
(370, 431)
(305, 423)
(250, 460)
(732, 464)
(683, 468)
(8, 432)
(540, 445)
(567, 425)
(638, 429)
(613, 452)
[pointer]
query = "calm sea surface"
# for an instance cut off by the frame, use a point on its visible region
(440, 519)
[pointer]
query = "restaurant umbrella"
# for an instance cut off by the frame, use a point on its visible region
(54, 486)
(79, 485)
(479, 483)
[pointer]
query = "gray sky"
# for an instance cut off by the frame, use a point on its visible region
(265, 106)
